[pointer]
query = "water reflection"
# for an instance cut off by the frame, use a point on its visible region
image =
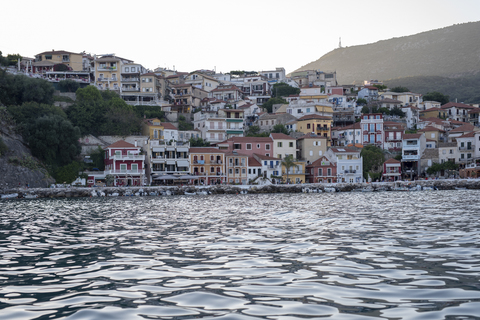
(294, 256)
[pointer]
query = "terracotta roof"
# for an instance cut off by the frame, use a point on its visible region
(468, 135)
(235, 153)
(463, 128)
(226, 88)
(433, 109)
(262, 157)
(168, 126)
(282, 136)
(411, 136)
(318, 162)
(205, 150)
(476, 110)
(57, 52)
(122, 144)
(314, 116)
(311, 135)
(456, 105)
(430, 128)
(392, 160)
(248, 139)
(252, 162)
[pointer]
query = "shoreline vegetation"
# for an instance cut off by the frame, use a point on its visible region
(85, 192)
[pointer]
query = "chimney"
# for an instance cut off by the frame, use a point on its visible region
(136, 143)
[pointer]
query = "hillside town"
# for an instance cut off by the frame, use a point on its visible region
(315, 135)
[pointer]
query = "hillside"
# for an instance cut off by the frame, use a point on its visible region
(451, 51)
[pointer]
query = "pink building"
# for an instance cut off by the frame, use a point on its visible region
(125, 163)
(248, 145)
(372, 129)
(321, 171)
(392, 170)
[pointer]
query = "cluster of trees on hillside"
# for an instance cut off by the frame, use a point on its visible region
(396, 111)
(462, 89)
(53, 133)
(254, 131)
(9, 60)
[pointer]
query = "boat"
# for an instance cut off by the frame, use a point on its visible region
(9, 196)
(115, 194)
(30, 196)
(203, 192)
(327, 189)
(460, 188)
(367, 189)
(189, 193)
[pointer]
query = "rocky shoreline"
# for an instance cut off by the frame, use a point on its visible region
(82, 192)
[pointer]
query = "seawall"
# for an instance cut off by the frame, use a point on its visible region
(79, 192)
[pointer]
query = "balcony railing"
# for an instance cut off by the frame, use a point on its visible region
(350, 171)
(411, 157)
(105, 68)
(131, 89)
(465, 148)
(120, 171)
(130, 80)
(107, 79)
(128, 157)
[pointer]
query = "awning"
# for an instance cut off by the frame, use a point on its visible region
(166, 177)
(182, 149)
(172, 162)
(158, 149)
(181, 163)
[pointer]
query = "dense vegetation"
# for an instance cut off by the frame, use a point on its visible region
(373, 159)
(462, 89)
(52, 133)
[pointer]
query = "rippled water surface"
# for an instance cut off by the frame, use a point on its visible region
(391, 255)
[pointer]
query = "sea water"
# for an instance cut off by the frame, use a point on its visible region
(378, 255)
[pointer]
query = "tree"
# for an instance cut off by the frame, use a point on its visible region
(87, 113)
(53, 139)
(198, 142)
(149, 112)
(361, 102)
(68, 85)
(97, 158)
(282, 89)
(29, 111)
(399, 89)
(396, 111)
(373, 159)
(13, 59)
(120, 118)
(380, 86)
(17, 89)
(280, 128)
(67, 173)
(436, 96)
(254, 131)
(288, 162)
(268, 105)
(183, 125)
(3, 147)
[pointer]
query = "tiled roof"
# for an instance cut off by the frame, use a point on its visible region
(262, 157)
(168, 126)
(457, 105)
(248, 139)
(252, 162)
(311, 135)
(392, 160)
(281, 136)
(314, 116)
(411, 136)
(57, 52)
(318, 162)
(205, 150)
(468, 135)
(122, 144)
(430, 128)
(463, 128)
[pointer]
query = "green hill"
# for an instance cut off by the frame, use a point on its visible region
(448, 52)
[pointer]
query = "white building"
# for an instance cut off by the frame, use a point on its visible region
(349, 164)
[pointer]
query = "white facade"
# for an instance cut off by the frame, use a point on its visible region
(349, 164)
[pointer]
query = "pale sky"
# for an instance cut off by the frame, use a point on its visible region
(222, 34)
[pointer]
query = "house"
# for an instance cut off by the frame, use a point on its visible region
(283, 145)
(301, 108)
(448, 151)
(202, 81)
(411, 116)
(425, 105)
(248, 145)
(271, 167)
(320, 125)
(407, 98)
(473, 116)
(294, 174)
(372, 129)
(169, 158)
(392, 170)
(343, 136)
(413, 146)
(108, 71)
(170, 132)
(254, 171)
(187, 97)
(236, 168)
(349, 163)
(46, 61)
(321, 170)
(273, 76)
(428, 158)
(368, 93)
(125, 163)
(433, 133)
(458, 111)
(466, 145)
(267, 121)
(208, 164)
(393, 135)
(152, 128)
(310, 147)
(186, 135)
(460, 131)
(434, 113)
(228, 93)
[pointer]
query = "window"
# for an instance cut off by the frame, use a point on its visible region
(311, 153)
(237, 146)
(212, 169)
(279, 144)
(320, 172)
(432, 135)
(267, 146)
(320, 152)
(258, 146)
(127, 69)
(308, 125)
(243, 171)
(230, 171)
(250, 171)
(329, 171)
(249, 146)
(48, 57)
(237, 171)
(290, 144)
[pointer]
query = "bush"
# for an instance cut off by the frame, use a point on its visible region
(68, 86)
(3, 147)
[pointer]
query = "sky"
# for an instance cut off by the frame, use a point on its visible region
(221, 35)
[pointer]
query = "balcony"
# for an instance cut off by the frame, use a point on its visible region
(107, 79)
(127, 157)
(105, 68)
(120, 171)
(411, 157)
(394, 139)
(465, 149)
(130, 80)
(350, 171)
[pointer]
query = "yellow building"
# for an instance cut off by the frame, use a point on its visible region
(320, 125)
(153, 128)
(208, 164)
(45, 61)
(434, 113)
(296, 174)
(108, 70)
